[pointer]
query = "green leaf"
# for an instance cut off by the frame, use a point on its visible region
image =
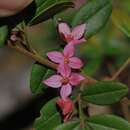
(50, 118)
(104, 92)
(68, 126)
(3, 35)
(122, 20)
(108, 122)
(40, 2)
(98, 122)
(72, 125)
(48, 8)
(95, 14)
(38, 74)
(99, 127)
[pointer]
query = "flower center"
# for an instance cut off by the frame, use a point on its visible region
(65, 80)
(66, 60)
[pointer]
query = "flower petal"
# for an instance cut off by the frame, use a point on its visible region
(55, 56)
(64, 69)
(66, 105)
(79, 31)
(64, 29)
(76, 42)
(75, 63)
(68, 50)
(65, 91)
(54, 81)
(75, 79)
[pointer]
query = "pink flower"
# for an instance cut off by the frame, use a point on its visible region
(66, 60)
(65, 81)
(73, 36)
(67, 106)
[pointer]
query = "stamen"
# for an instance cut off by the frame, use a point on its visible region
(66, 60)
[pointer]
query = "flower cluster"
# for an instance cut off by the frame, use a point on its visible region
(65, 78)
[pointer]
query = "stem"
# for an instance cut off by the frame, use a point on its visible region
(125, 102)
(121, 69)
(27, 42)
(23, 29)
(42, 60)
(35, 57)
(81, 115)
(125, 109)
(89, 80)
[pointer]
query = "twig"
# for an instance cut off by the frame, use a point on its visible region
(115, 76)
(125, 108)
(125, 102)
(35, 57)
(81, 115)
(43, 61)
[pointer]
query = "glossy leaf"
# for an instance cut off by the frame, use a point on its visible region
(95, 14)
(49, 118)
(3, 35)
(72, 125)
(99, 127)
(47, 9)
(97, 122)
(38, 74)
(108, 122)
(122, 20)
(68, 126)
(104, 92)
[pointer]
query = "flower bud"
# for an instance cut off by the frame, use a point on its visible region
(66, 106)
(11, 7)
